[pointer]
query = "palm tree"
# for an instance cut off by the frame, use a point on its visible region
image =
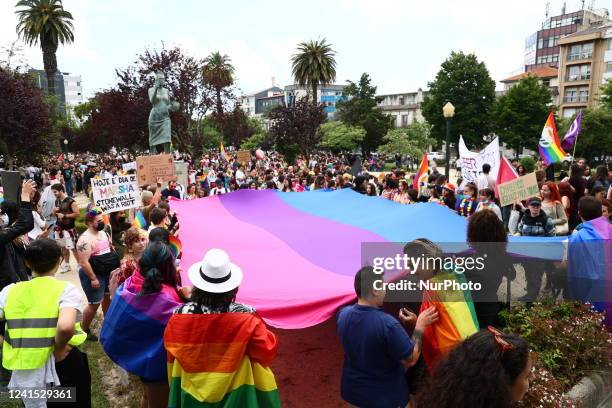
(314, 64)
(45, 22)
(218, 72)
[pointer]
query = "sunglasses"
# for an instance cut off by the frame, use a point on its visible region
(499, 339)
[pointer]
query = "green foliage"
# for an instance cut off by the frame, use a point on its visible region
(360, 109)
(568, 337)
(337, 136)
(528, 163)
(212, 137)
(44, 21)
(595, 137)
(518, 115)
(314, 64)
(465, 82)
(606, 95)
(412, 141)
(253, 142)
(218, 73)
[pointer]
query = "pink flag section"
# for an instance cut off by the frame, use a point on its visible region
(506, 173)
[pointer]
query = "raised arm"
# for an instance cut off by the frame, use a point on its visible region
(25, 220)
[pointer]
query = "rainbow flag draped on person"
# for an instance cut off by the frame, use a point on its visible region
(457, 318)
(421, 173)
(220, 360)
(549, 145)
(176, 246)
(133, 329)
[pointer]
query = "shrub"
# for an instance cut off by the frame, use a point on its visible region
(528, 163)
(569, 339)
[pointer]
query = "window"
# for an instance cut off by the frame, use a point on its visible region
(401, 100)
(404, 120)
(580, 51)
(578, 73)
(571, 95)
(585, 72)
(609, 67)
(609, 43)
(569, 112)
(584, 94)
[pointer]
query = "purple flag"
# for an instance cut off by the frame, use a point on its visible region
(572, 133)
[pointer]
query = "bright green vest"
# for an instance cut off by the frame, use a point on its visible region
(31, 313)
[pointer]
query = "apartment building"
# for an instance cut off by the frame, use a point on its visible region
(404, 107)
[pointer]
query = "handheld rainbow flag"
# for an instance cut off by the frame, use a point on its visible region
(220, 360)
(176, 246)
(549, 145)
(422, 173)
(223, 153)
(139, 221)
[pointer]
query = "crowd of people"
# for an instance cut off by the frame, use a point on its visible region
(128, 263)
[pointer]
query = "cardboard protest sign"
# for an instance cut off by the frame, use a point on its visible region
(150, 168)
(521, 188)
(243, 156)
(116, 193)
(129, 166)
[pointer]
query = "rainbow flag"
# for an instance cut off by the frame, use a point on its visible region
(549, 145)
(139, 221)
(133, 329)
(457, 319)
(225, 156)
(220, 360)
(175, 246)
(422, 173)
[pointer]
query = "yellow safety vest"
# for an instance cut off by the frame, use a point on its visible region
(31, 312)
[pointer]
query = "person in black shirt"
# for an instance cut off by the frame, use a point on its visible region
(67, 172)
(171, 191)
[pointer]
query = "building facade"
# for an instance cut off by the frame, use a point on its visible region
(585, 64)
(547, 76)
(542, 47)
(68, 89)
(404, 107)
(256, 104)
(328, 95)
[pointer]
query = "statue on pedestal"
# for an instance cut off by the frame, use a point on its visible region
(160, 136)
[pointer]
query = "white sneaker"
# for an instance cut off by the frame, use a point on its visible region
(65, 268)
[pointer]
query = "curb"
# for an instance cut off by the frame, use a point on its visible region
(593, 391)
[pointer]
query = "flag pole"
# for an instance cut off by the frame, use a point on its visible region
(574, 151)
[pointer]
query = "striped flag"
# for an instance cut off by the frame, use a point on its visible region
(422, 172)
(139, 221)
(549, 145)
(223, 153)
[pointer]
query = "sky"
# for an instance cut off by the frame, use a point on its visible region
(400, 43)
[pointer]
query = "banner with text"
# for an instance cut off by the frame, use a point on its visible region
(471, 162)
(151, 168)
(116, 193)
(243, 156)
(520, 189)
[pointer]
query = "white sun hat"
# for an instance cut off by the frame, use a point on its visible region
(215, 273)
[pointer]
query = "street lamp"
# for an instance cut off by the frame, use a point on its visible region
(66, 145)
(448, 111)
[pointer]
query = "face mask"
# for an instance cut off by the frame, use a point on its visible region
(100, 226)
(4, 220)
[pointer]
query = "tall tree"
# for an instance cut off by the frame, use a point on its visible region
(295, 128)
(26, 119)
(595, 138)
(337, 136)
(314, 64)
(606, 95)
(360, 109)
(466, 83)
(218, 72)
(45, 22)
(518, 116)
(412, 141)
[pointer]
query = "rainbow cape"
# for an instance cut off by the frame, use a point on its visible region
(220, 360)
(133, 329)
(421, 175)
(549, 145)
(457, 319)
(139, 221)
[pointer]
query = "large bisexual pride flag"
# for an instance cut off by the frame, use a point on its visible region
(300, 251)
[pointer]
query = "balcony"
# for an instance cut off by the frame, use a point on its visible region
(580, 56)
(583, 77)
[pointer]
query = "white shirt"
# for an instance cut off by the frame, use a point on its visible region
(485, 181)
(491, 206)
(239, 175)
(40, 377)
(39, 224)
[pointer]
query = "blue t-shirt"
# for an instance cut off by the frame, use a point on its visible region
(374, 343)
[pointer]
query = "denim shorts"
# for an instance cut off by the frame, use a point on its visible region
(94, 296)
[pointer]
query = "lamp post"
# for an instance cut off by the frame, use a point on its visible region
(448, 111)
(66, 145)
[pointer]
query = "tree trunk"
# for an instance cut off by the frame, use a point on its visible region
(219, 104)
(314, 93)
(50, 65)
